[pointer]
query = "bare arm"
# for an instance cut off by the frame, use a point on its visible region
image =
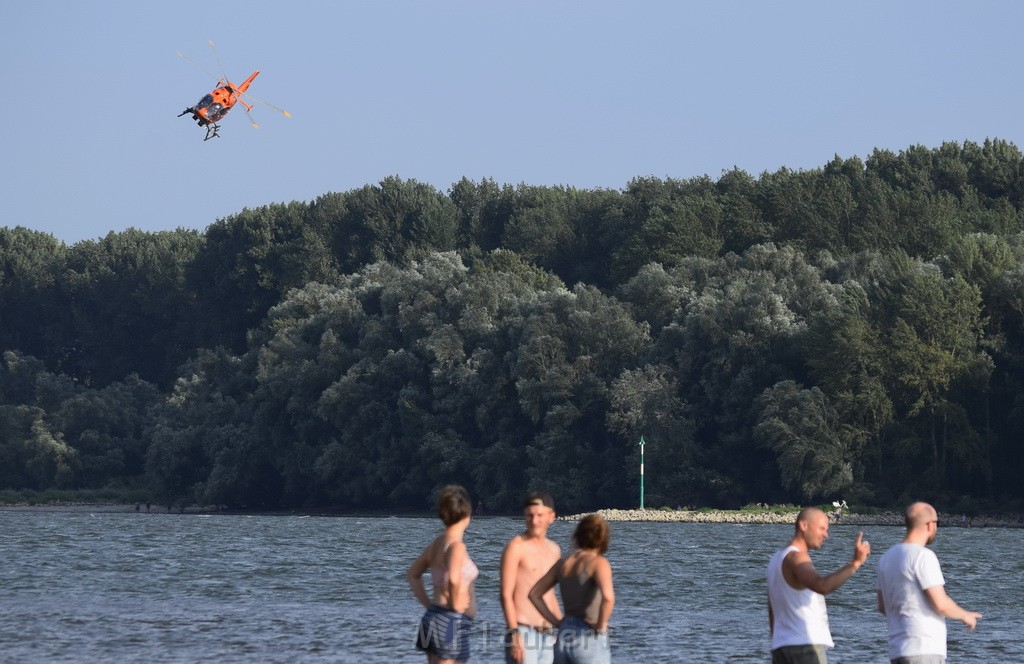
(797, 567)
(945, 605)
(544, 584)
(415, 577)
(509, 566)
(510, 558)
(603, 579)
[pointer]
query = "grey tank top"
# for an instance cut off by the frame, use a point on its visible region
(580, 595)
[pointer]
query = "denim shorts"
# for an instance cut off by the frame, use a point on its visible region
(444, 633)
(538, 646)
(578, 643)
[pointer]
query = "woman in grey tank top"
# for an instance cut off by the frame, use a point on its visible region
(584, 580)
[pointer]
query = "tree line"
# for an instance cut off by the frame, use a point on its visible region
(855, 330)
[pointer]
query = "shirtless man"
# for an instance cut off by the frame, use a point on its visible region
(526, 558)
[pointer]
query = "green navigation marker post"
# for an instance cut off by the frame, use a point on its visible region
(641, 472)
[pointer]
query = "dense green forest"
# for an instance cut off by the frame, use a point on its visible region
(855, 330)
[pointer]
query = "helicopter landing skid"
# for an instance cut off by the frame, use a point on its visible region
(212, 131)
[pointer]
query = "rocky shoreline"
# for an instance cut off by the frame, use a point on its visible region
(788, 518)
(768, 516)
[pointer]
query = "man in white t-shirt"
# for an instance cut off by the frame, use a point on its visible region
(797, 617)
(912, 595)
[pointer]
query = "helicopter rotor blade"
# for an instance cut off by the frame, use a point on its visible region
(189, 60)
(213, 48)
(268, 105)
(251, 121)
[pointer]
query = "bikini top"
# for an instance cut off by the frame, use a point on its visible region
(439, 572)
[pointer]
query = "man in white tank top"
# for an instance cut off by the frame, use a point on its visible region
(912, 595)
(797, 616)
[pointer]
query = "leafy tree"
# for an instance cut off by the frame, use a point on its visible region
(32, 456)
(645, 403)
(484, 208)
(105, 428)
(205, 419)
(812, 445)
(394, 221)
(666, 222)
(250, 261)
(846, 355)
(996, 170)
(29, 264)
(127, 306)
(737, 331)
(898, 350)
(743, 224)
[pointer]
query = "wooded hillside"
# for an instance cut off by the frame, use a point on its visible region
(855, 330)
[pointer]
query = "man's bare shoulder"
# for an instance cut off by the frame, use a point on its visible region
(514, 548)
(516, 542)
(796, 557)
(521, 546)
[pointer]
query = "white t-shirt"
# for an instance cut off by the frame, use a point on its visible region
(800, 617)
(915, 627)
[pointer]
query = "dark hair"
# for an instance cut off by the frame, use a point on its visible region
(539, 498)
(592, 532)
(453, 504)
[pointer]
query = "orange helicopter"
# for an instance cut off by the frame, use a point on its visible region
(212, 108)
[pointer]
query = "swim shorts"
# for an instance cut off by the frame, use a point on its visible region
(809, 654)
(444, 633)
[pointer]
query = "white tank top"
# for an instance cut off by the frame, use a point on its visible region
(800, 615)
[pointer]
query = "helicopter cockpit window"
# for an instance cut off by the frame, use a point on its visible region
(215, 112)
(205, 101)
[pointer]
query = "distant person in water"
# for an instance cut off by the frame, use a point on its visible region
(529, 637)
(912, 594)
(445, 627)
(584, 579)
(797, 617)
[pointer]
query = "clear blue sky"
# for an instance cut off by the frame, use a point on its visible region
(580, 93)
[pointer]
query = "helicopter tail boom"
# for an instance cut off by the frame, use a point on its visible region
(247, 82)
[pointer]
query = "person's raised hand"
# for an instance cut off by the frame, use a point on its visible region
(861, 549)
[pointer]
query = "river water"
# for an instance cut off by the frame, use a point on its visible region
(105, 587)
